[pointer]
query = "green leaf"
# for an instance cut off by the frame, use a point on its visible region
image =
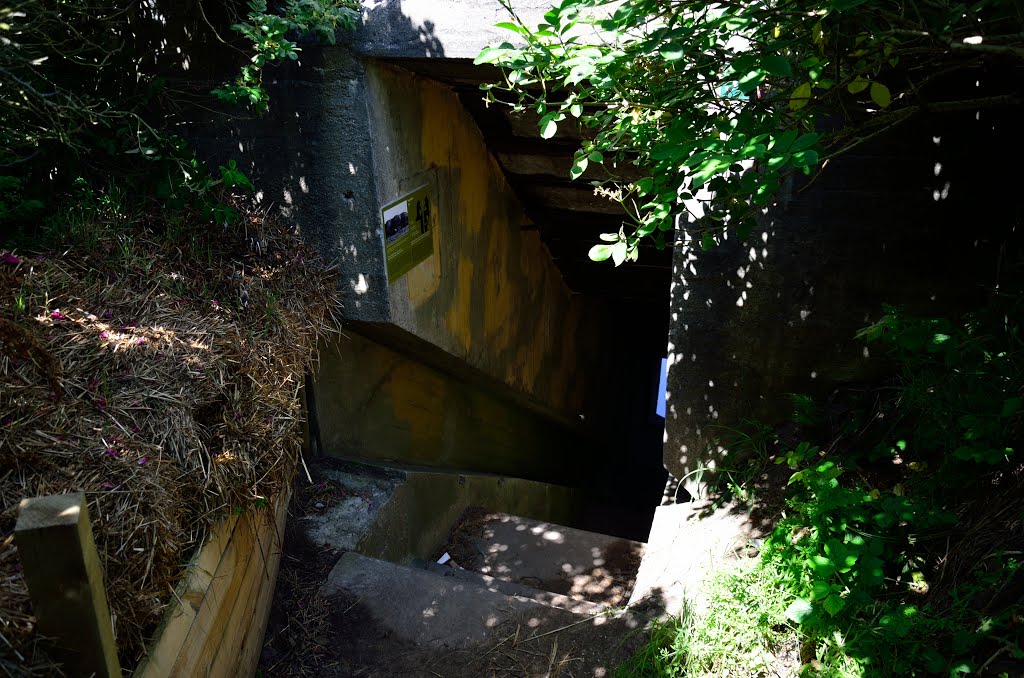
(805, 158)
(799, 610)
(579, 167)
(820, 590)
(776, 65)
(600, 252)
(576, 110)
(858, 85)
(833, 604)
(801, 97)
(619, 252)
(596, 156)
(822, 567)
(1010, 407)
(491, 55)
(509, 26)
(749, 82)
(899, 621)
(672, 52)
(880, 94)
(804, 142)
(548, 126)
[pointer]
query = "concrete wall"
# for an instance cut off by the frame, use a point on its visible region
(376, 403)
(346, 134)
(490, 295)
(423, 509)
(917, 219)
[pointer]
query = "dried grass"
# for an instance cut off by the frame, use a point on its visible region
(158, 371)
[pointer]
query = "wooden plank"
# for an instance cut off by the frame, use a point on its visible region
(215, 627)
(253, 642)
(244, 632)
(205, 636)
(188, 599)
(65, 581)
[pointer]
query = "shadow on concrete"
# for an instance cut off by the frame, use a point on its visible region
(338, 613)
(917, 218)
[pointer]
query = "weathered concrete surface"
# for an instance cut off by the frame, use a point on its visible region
(343, 524)
(511, 588)
(406, 514)
(908, 220)
(490, 295)
(377, 403)
(454, 628)
(421, 606)
(687, 543)
(549, 557)
(423, 509)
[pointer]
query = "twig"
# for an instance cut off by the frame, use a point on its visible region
(567, 626)
(981, 669)
(359, 600)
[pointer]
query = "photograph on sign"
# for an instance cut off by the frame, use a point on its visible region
(396, 221)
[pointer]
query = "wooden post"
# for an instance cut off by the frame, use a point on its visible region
(62, 570)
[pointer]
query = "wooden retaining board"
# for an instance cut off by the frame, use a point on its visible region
(214, 628)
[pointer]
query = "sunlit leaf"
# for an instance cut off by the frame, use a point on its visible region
(672, 52)
(799, 610)
(600, 252)
(509, 26)
(619, 251)
(801, 97)
(548, 126)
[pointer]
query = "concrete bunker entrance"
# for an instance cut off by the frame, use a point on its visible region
(504, 350)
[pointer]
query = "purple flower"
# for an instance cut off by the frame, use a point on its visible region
(100, 404)
(57, 315)
(140, 340)
(143, 461)
(110, 452)
(9, 258)
(108, 315)
(104, 335)
(107, 486)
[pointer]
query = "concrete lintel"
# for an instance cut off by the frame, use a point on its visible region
(450, 29)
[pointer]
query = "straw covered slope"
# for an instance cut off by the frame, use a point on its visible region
(158, 369)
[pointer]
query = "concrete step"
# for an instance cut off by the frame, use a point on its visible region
(402, 620)
(687, 542)
(509, 588)
(547, 557)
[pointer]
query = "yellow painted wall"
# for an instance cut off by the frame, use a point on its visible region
(490, 294)
(374, 402)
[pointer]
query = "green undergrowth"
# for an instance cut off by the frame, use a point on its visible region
(897, 545)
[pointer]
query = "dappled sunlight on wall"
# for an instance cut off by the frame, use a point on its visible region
(907, 220)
